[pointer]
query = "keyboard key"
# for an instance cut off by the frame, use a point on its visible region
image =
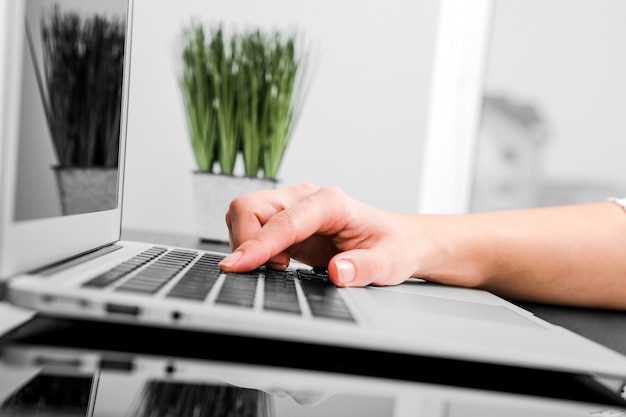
(199, 280)
(325, 300)
(152, 278)
(122, 270)
(239, 289)
(280, 292)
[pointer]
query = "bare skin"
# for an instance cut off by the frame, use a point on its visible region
(568, 255)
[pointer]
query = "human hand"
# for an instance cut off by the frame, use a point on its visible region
(357, 243)
(508, 252)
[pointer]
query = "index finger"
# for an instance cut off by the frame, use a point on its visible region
(248, 213)
(317, 213)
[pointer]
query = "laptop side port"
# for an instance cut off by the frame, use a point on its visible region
(117, 364)
(64, 301)
(122, 309)
(58, 361)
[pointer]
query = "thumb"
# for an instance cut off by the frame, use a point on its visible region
(355, 268)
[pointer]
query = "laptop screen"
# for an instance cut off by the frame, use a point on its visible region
(65, 77)
(70, 106)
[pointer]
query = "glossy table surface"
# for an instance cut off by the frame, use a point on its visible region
(54, 367)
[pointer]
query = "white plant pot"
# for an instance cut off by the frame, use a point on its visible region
(213, 194)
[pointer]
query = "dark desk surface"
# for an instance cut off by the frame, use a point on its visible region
(603, 326)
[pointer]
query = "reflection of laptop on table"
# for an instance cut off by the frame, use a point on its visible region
(74, 265)
(136, 371)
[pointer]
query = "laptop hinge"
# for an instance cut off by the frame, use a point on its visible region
(76, 260)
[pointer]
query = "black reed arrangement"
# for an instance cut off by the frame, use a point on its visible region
(80, 85)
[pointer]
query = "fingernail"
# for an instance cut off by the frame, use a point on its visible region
(276, 266)
(345, 269)
(231, 259)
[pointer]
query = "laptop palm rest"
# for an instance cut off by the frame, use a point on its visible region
(421, 304)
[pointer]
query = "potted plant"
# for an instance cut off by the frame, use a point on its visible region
(80, 85)
(242, 95)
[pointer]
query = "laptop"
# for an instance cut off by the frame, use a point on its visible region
(74, 265)
(133, 373)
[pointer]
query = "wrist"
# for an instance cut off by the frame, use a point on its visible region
(451, 250)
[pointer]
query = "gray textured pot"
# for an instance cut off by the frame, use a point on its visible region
(85, 190)
(213, 193)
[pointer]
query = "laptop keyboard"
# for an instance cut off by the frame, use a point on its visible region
(194, 276)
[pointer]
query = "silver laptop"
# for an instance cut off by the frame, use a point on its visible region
(67, 260)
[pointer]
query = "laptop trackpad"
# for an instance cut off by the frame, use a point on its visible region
(425, 304)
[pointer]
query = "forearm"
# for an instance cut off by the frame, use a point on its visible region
(574, 255)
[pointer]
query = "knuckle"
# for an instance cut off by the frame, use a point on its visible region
(288, 219)
(242, 203)
(332, 193)
(304, 188)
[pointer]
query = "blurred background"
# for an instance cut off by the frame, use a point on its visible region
(552, 129)
(361, 125)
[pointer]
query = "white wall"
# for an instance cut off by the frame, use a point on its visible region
(362, 125)
(568, 57)
(364, 121)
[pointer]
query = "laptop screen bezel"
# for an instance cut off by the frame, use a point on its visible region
(27, 245)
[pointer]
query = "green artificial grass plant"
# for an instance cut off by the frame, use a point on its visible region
(242, 95)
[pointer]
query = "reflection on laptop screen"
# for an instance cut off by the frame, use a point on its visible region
(71, 98)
